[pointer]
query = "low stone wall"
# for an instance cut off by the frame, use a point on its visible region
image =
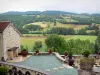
(41, 53)
(23, 70)
(85, 72)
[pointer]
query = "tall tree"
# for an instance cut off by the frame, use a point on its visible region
(98, 41)
(37, 45)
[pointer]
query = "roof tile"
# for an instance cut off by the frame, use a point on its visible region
(3, 25)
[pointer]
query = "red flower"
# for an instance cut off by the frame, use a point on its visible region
(65, 53)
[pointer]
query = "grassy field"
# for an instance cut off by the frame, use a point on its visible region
(82, 37)
(29, 41)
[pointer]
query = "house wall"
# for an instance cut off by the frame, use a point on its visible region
(0, 48)
(11, 38)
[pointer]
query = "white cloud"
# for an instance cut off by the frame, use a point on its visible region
(81, 6)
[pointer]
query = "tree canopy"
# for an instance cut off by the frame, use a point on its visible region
(57, 42)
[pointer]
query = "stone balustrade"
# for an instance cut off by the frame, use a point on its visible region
(22, 70)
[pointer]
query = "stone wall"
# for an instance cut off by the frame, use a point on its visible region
(85, 72)
(11, 38)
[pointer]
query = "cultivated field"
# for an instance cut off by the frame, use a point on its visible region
(29, 41)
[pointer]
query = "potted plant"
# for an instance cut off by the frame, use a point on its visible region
(70, 60)
(65, 53)
(86, 63)
(24, 52)
(37, 51)
(50, 51)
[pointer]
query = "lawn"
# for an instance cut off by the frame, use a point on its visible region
(29, 41)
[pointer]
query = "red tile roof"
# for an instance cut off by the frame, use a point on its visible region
(3, 25)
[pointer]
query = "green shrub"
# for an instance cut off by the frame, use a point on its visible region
(70, 54)
(86, 53)
(4, 70)
(37, 45)
(23, 47)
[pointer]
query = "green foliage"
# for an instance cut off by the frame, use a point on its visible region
(23, 31)
(4, 70)
(70, 54)
(26, 47)
(97, 44)
(98, 41)
(90, 27)
(55, 23)
(82, 32)
(62, 31)
(78, 46)
(18, 20)
(23, 47)
(86, 53)
(37, 45)
(57, 42)
(96, 48)
(32, 27)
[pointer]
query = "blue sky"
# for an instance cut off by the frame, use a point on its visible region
(77, 6)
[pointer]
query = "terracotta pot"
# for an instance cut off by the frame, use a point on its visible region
(50, 51)
(87, 63)
(24, 53)
(37, 51)
(65, 53)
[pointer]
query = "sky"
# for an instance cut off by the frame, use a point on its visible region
(76, 6)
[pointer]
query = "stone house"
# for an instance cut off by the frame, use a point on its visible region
(9, 40)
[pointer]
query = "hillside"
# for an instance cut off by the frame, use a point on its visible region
(50, 18)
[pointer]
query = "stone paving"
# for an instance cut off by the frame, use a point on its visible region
(19, 58)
